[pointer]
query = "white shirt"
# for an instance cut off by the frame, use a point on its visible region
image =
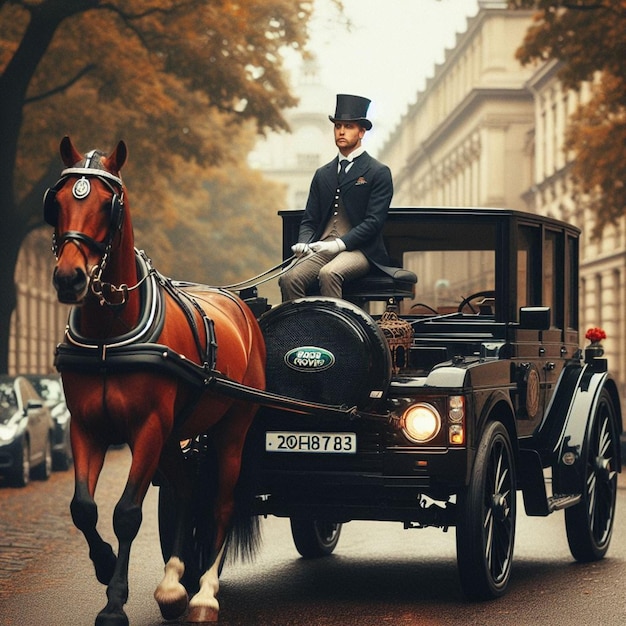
(350, 158)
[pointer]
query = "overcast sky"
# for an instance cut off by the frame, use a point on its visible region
(388, 54)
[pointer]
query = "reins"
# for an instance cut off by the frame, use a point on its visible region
(117, 295)
(97, 286)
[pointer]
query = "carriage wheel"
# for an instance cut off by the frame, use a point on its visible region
(313, 538)
(485, 531)
(589, 524)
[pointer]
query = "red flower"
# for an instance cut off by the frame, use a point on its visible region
(595, 334)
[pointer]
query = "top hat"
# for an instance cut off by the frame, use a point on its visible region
(351, 109)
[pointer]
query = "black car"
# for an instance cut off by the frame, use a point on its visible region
(26, 431)
(50, 388)
(433, 393)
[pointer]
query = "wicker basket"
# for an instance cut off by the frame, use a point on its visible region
(399, 335)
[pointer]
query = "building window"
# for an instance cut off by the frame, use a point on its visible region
(308, 161)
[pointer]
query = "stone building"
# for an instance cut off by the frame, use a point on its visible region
(291, 158)
(38, 321)
(486, 131)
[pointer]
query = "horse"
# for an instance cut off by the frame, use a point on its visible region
(137, 361)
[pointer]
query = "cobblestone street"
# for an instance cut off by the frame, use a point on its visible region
(35, 523)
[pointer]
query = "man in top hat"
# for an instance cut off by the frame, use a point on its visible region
(340, 233)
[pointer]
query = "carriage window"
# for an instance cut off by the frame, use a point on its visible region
(553, 279)
(446, 277)
(571, 283)
(528, 266)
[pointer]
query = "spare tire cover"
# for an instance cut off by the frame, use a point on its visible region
(326, 350)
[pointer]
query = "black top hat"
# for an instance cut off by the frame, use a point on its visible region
(351, 109)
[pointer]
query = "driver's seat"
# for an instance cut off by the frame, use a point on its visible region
(390, 285)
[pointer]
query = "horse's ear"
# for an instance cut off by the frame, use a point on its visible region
(117, 158)
(69, 154)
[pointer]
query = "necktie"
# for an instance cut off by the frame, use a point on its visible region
(342, 171)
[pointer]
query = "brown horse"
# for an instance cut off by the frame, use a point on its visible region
(139, 355)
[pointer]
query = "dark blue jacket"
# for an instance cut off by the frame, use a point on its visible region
(366, 193)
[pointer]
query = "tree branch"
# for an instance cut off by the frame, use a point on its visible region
(63, 86)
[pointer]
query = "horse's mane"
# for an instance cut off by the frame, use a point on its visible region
(92, 160)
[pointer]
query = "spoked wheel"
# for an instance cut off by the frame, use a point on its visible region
(485, 531)
(314, 538)
(589, 524)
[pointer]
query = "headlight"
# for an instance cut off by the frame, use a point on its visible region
(7, 433)
(421, 422)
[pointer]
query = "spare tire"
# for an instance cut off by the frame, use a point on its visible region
(326, 350)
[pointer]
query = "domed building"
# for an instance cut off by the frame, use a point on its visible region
(291, 158)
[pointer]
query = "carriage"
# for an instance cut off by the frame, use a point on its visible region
(429, 396)
(467, 386)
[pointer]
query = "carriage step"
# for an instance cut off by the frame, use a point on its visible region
(556, 503)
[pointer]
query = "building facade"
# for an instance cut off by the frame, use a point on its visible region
(486, 131)
(38, 322)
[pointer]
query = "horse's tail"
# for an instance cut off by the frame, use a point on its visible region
(244, 538)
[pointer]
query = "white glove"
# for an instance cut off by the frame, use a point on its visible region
(301, 249)
(332, 247)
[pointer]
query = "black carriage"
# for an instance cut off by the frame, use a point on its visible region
(429, 403)
(434, 393)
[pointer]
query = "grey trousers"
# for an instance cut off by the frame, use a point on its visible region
(331, 271)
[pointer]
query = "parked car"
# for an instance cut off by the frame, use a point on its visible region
(26, 430)
(50, 388)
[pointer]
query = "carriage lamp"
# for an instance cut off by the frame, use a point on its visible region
(456, 418)
(421, 422)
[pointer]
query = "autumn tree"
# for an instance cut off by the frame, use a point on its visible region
(588, 38)
(179, 80)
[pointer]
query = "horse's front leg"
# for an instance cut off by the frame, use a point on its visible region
(126, 522)
(127, 518)
(88, 461)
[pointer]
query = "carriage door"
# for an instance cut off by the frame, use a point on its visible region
(553, 295)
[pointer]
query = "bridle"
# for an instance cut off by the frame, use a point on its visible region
(80, 191)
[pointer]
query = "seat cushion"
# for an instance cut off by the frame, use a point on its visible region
(394, 282)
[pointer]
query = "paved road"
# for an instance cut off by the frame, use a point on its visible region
(380, 574)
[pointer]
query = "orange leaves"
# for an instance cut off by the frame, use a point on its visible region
(589, 38)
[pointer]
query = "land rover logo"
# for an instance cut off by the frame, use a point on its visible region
(309, 359)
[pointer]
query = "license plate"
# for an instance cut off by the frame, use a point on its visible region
(318, 443)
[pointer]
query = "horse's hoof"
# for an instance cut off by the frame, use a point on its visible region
(174, 610)
(201, 615)
(118, 618)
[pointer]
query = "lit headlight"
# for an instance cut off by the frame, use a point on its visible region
(421, 422)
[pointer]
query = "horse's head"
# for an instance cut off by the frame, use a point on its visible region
(86, 208)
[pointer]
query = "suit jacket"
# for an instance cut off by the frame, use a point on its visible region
(366, 193)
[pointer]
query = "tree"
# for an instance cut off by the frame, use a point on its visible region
(177, 79)
(588, 37)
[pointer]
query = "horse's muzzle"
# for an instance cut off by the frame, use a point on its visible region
(71, 287)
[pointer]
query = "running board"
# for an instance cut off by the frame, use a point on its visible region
(556, 503)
